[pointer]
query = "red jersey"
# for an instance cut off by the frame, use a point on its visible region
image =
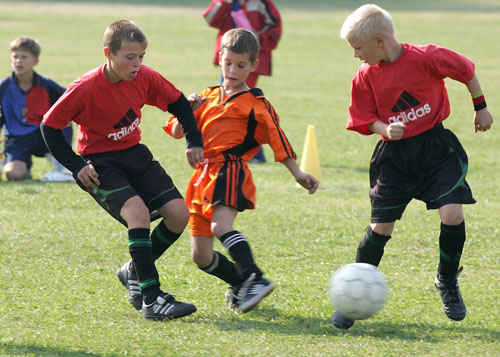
(410, 90)
(108, 114)
(264, 18)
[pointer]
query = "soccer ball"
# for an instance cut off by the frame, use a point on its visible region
(358, 290)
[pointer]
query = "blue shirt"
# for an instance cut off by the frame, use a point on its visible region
(22, 111)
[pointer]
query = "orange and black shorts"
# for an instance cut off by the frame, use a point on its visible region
(227, 182)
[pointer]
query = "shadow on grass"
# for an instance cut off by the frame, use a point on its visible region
(298, 325)
(34, 350)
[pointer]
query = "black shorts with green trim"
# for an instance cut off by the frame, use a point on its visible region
(126, 173)
(430, 167)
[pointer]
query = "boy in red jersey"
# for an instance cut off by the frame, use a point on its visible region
(118, 171)
(234, 120)
(399, 93)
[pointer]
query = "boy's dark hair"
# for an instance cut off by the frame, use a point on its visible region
(241, 41)
(28, 44)
(120, 32)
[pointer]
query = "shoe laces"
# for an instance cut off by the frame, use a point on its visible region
(165, 298)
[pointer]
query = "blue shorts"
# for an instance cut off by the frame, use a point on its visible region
(23, 147)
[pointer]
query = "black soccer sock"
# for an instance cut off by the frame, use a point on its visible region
(451, 245)
(224, 269)
(139, 245)
(371, 247)
(239, 249)
(162, 238)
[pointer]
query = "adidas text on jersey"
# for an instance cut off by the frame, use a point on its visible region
(124, 131)
(412, 115)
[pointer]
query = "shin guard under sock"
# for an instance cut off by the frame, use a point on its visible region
(224, 269)
(162, 238)
(239, 249)
(451, 244)
(139, 245)
(371, 247)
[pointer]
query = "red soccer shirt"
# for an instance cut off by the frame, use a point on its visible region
(108, 114)
(410, 90)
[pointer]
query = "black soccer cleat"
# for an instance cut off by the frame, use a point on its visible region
(129, 280)
(453, 304)
(341, 322)
(166, 307)
(246, 296)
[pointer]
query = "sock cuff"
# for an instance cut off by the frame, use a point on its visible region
(213, 265)
(232, 238)
(138, 238)
(164, 234)
(376, 238)
(138, 233)
(453, 229)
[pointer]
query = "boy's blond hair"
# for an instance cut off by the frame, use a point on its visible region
(121, 32)
(27, 44)
(241, 41)
(367, 22)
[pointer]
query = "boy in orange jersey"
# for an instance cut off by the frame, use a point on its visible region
(234, 120)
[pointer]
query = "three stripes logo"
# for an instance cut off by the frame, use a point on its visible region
(126, 125)
(407, 102)
(126, 120)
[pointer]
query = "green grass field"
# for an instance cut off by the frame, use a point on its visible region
(59, 251)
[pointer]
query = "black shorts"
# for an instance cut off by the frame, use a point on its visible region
(124, 174)
(430, 167)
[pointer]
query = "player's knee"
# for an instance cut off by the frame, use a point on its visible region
(382, 228)
(451, 214)
(202, 258)
(15, 175)
(135, 213)
(218, 229)
(176, 214)
(453, 220)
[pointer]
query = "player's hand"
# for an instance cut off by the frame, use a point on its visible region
(309, 182)
(482, 120)
(88, 176)
(395, 131)
(194, 156)
(196, 101)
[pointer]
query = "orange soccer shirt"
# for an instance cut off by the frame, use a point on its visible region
(232, 128)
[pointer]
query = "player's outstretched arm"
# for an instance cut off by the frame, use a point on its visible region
(309, 182)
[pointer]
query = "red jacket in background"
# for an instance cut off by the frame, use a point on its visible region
(264, 18)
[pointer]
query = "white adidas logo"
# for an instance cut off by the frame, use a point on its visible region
(124, 131)
(413, 114)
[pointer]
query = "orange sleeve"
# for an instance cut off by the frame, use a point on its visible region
(269, 132)
(169, 126)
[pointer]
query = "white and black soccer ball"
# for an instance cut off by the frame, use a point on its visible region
(358, 290)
